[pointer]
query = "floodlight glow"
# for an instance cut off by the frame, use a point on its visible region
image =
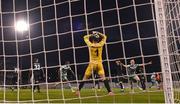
(21, 26)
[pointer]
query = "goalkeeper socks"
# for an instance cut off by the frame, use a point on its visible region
(106, 84)
(97, 84)
(81, 85)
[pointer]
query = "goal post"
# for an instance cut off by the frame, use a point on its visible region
(163, 50)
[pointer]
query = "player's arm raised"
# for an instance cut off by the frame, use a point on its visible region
(72, 71)
(149, 63)
(60, 70)
(123, 64)
(87, 41)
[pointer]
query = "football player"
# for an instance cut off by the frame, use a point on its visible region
(63, 73)
(36, 75)
(131, 69)
(95, 43)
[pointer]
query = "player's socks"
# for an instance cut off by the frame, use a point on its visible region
(143, 85)
(69, 84)
(138, 85)
(106, 84)
(81, 85)
(132, 89)
(121, 85)
(38, 88)
(79, 88)
(34, 87)
(140, 88)
(72, 90)
(131, 85)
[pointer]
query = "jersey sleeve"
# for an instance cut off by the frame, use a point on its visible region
(152, 76)
(100, 44)
(61, 68)
(103, 41)
(128, 66)
(87, 41)
(69, 68)
(138, 65)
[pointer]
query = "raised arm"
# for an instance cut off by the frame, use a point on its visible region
(59, 71)
(149, 63)
(71, 71)
(123, 64)
(87, 41)
(104, 38)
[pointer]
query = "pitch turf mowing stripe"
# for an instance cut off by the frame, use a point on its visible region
(87, 95)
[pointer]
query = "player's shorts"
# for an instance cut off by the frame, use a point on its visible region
(98, 67)
(37, 76)
(36, 79)
(64, 78)
(153, 81)
(132, 77)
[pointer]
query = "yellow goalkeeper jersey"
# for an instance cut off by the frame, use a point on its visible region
(95, 49)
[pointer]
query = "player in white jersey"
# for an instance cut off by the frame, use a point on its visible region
(131, 71)
(153, 80)
(63, 73)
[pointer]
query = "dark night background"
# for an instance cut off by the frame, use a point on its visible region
(57, 36)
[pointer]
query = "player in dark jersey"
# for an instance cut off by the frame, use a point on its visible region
(16, 78)
(36, 75)
(131, 71)
(119, 74)
(142, 77)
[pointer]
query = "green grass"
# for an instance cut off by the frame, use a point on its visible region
(87, 95)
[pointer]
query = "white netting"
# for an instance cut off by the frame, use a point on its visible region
(172, 12)
(55, 35)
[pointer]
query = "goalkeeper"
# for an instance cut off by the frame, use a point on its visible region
(63, 71)
(95, 43)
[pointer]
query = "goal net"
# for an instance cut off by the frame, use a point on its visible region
(41, 38)
(172, 15)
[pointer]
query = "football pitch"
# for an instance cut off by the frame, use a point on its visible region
(87, 96)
